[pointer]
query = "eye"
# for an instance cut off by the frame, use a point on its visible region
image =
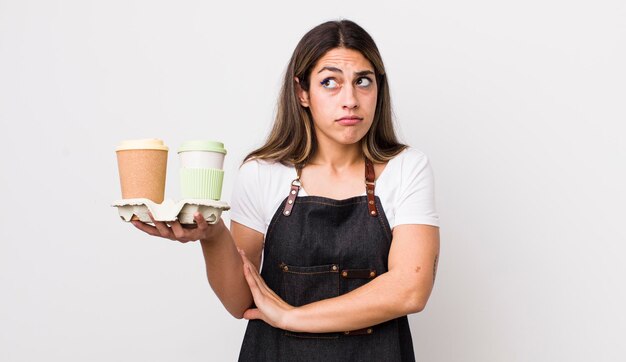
(329, 83)
(363, 82)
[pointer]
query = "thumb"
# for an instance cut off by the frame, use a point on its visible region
(252, 313)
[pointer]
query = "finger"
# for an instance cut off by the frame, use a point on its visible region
(203, 226)
(247, 261)
(264, 288)
(252, 313)
(162, 228)
(259, 282)
(145, 228)
(257, 293)
(244, 258)
(258, 279)
(247, 273)
(180, 233)
(253, 269)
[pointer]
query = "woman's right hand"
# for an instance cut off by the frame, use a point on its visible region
(175, 231)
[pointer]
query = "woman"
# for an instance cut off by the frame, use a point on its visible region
(340, 213)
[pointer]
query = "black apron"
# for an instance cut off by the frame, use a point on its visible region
(318, 248)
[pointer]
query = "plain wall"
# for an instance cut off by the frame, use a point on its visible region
(519, 105)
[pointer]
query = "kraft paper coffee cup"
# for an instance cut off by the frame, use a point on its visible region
(142, 166)
(201, 172)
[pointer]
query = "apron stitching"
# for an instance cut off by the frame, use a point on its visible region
(311, 273)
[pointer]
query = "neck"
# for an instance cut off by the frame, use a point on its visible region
(337, 155)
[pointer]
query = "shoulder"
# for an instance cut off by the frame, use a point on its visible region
(264, 177)
(407, 163)
(255, 165)
(409, 189)
(407, 170)
(263, 169)
(259, 188)
(411, 155)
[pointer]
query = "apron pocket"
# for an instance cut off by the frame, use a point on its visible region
(306, 284)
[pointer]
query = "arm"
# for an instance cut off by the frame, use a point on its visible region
(219, 244)
(223, 263)
(404, 289)
(223, 266)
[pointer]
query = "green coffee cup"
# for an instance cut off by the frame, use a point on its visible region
(201, 172)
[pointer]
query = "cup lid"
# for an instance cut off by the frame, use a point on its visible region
(142, 144)
(208, 146)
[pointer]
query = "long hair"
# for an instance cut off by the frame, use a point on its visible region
(292, 139)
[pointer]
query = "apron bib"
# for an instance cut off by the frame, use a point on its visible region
(318, 248)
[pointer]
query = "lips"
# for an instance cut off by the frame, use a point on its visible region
(349, 120)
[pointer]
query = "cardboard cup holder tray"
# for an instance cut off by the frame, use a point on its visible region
(170, 211)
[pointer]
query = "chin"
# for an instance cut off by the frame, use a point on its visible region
(350, 140)
(346, 137)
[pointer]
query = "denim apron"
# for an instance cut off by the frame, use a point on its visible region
(318, 248)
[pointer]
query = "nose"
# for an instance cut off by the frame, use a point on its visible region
(350, 100)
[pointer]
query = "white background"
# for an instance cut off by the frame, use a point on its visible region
(519, 105)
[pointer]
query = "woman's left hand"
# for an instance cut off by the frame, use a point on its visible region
(269, 307)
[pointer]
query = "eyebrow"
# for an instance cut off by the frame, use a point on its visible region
(337, 70)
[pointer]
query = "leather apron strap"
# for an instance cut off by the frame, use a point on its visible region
(370, 184)
(293, 192)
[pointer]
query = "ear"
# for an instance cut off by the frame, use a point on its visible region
(303, 95)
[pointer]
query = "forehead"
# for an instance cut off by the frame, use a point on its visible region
(343, 58)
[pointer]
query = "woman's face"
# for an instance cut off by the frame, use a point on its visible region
(341, 96)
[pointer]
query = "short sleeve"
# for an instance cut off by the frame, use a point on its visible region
(416, 198)
(246, 204)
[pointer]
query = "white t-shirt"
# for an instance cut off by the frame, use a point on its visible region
(405, 188)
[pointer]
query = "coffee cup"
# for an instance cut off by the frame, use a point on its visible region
(201, 171)
(142, 166)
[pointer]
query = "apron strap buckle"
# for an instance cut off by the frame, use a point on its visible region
(293, 193)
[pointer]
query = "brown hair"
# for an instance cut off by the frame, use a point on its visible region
(292, 139)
